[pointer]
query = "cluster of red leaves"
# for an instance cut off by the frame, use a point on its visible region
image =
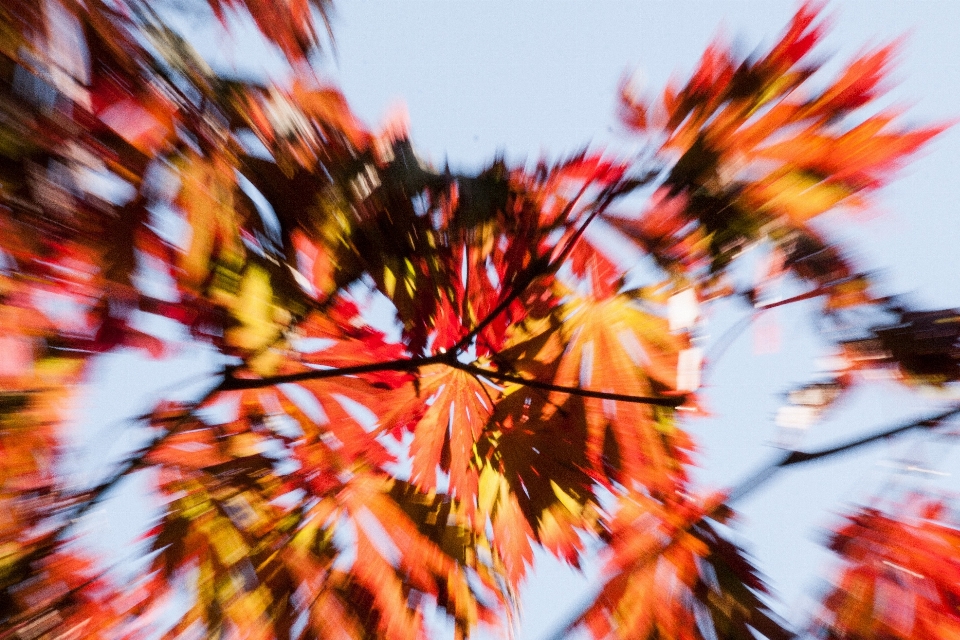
(900, 578)
(759, 153)
(670, 570)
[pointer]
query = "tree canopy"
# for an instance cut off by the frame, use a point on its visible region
(333, 481)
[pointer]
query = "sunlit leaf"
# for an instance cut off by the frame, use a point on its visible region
(899, 577)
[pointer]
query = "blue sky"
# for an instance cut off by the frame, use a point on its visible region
(536, 79)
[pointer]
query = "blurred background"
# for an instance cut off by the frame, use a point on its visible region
(534, 80)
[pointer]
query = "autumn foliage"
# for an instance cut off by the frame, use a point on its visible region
(352, 481)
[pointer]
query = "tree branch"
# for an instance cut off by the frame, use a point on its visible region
(92, 497)
(575, 391)
(402, 364)
(541, 266)
(449, 359)
(793, 458)
(602, 203)
(822, 290)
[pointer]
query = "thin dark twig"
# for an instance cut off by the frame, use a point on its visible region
(726, 340)
(90, 498)
(540, 266)
(94, 496)
(793, 458)
(402, 364)
(602, 203)
(800, 457)
(576, 391)
(807, 295)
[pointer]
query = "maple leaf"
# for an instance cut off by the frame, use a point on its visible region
(288, 24)
(899, 578)
(664, 563)
(62, 594)
(190, 448)
(345, 339)
(145, 121)
(447, 416)
(613, 346)
(223, 524)
(206, 197)
(751, 153)
(260, 309)
(331, 423)
(403, 547)
(658, 230)
(542, 466)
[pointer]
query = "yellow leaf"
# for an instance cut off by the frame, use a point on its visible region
(566, 499)
(389, 281)
(796, 195)
(207, 199)
(254, 310)
(489, 489)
